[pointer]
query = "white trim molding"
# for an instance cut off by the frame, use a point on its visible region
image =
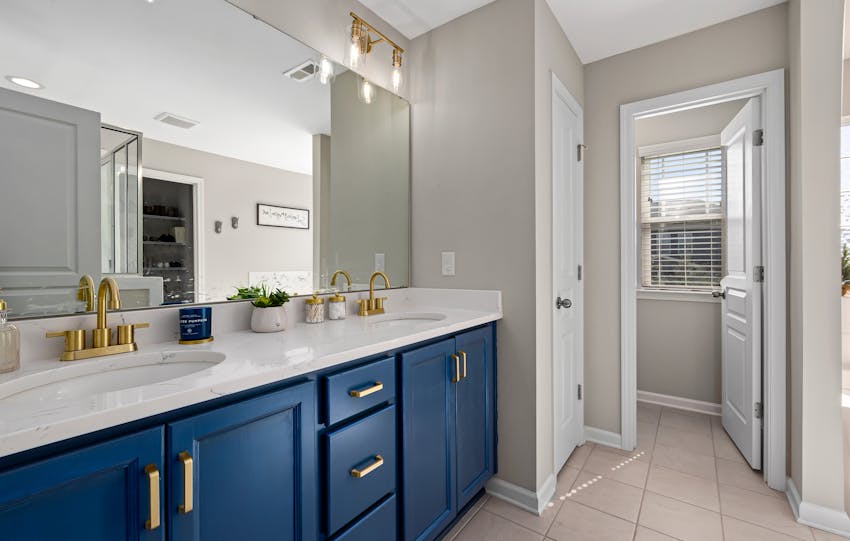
(685, 145)
(817, 516)
(603, 437)
(770, 86)
(533, 502)
(708, 408)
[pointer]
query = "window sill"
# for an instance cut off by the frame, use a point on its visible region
(673, 295)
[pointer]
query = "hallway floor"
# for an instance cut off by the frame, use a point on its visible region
(685, 481)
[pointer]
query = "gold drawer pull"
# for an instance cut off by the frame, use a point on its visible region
(188, 478)
(367, 391)
(456, 377)
(379, 461)
(463, 356)
(153, 487)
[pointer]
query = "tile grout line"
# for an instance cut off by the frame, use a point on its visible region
(717, 475)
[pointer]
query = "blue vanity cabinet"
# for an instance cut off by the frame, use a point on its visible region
(252, 473)
(448, 423)
(106, 492)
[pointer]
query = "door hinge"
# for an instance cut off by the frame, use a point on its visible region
(581, 149)
(579, 272)
(757, 410)
(758, 137)
(758, 274)
(579, 391)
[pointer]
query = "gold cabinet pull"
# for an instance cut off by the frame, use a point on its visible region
(188, 478)
(367, 391)
(379, 461)
(153, 488)
(456, 377)
(463, 356)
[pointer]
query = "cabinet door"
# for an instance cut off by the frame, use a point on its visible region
(475, 412)
(428, 440)
(253, 472)
(98, 493)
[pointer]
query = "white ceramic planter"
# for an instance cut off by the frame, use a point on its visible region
(268, 319)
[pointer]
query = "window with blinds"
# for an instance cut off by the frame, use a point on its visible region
(682, 220)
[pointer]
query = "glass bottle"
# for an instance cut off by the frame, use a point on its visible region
(10, 342)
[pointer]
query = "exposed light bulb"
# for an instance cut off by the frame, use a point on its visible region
(354, 55)
(366, 92)
(397, 79)
(326, 71)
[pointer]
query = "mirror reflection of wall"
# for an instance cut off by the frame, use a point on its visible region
(142, 159)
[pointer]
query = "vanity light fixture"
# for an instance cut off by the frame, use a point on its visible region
(360, 44)
(365, 91)
(24, 82)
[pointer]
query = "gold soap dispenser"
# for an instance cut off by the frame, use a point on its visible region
(10, 342)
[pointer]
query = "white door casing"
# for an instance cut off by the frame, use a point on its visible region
(567, 255)
(741, 310)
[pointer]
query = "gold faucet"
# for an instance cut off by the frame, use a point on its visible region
(75, 340)
(372, 305)
(85, 292)
(342, 272)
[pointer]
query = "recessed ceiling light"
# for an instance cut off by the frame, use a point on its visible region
(24, 82)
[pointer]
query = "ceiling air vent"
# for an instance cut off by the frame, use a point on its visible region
(177, 121)
(303, 72)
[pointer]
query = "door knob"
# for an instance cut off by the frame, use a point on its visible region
(719, 294)
(563, 303)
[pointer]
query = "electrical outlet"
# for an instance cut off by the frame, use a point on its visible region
(448, 263)
(380, 263)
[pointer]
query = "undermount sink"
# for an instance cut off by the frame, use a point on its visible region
(405, 319)
(74, 382)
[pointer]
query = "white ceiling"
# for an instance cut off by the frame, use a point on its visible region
(597, 29)
(199, 59)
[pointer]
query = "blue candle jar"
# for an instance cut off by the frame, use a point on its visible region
(196, 325)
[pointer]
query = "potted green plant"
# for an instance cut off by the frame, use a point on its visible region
(269, 313)
(845, 271)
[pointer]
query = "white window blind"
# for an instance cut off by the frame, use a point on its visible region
(682, 220)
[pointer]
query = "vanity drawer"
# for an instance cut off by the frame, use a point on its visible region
(361, 466)
(353, 391)
(378, 525)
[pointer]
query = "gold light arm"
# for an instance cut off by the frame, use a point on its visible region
(371, 28)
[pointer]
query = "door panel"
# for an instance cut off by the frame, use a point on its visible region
(253, 473)
(428, 477)
(474, 414)
(741, 310)
(567, 240)
(98, 493)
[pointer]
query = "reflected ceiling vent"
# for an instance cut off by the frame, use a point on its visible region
(177, 121)
(303, 72)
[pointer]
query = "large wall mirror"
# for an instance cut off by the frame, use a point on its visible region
(186, 148)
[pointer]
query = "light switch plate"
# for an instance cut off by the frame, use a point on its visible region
(448, 263)
(380, 262)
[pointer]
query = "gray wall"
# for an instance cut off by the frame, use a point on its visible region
(678, 341)
(750, 44)
(233, 188)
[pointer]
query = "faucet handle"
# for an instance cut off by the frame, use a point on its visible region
(379, 303)
(365, 306)
(127, 333)
(75, 339)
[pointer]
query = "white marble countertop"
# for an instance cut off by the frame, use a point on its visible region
(252, 360)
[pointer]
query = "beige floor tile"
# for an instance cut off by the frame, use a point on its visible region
(539, 524)
(579, 456)
(725, 449)
(679, 519)
(738, 530)
(686, 420)
(576, 522)
(645, 534)
(566, 477)
(685, 461)
(464, 520)
(742, 476)
(684, 439)
(684, 487)
(486, 525)
(605, 495)
(821, 535)
(617, 467)
(767, 511)
(648, 413)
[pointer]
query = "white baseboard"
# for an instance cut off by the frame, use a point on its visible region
(533, 502)
(603, 437)
(688, 404)
(817, 516)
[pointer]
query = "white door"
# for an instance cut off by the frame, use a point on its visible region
(567, 317)
(742, 305)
